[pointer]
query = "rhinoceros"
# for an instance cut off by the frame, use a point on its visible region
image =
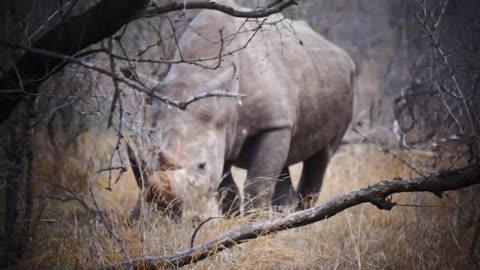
(297, 106)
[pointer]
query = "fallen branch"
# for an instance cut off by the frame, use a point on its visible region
(376, 194)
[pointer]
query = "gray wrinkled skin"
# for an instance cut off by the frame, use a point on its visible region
(298, 105)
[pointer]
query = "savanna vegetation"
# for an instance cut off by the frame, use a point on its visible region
(73, 90)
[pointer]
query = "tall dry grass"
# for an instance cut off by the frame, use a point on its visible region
(426, 233)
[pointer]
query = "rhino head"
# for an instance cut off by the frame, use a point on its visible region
(187, 147)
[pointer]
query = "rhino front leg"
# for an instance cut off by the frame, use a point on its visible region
(268, 154)
(312, 178)
(228, 195)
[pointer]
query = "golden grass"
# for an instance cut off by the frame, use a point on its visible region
(437, 235)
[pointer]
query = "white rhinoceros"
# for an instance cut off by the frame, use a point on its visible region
(298, 105)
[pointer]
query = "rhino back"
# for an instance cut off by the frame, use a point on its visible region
(293, 78)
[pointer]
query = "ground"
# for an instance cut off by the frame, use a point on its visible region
(425, 232)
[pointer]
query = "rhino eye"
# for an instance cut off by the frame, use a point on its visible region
(202, 165)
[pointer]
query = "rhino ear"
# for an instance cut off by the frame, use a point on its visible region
(223, 80)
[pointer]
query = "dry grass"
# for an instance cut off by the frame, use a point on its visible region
(437, 235)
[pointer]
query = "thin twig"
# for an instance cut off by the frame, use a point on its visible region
(182, 105)
(383, 149)
(192, 241)
(108, 226)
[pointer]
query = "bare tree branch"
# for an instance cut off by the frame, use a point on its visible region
(116, 93)
(108, 226)
(97, 23)
(376, 194)
(457, 92)
(175, 103)
(69, 195)
(68, 38)
(275, 7)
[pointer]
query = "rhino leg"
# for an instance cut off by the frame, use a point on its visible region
(228, 195)
(284, 195)
(312, 178)
(267, 156)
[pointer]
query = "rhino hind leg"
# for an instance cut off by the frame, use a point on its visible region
(228, 195)
(284, 194)
(266, 159)
(312, 178)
